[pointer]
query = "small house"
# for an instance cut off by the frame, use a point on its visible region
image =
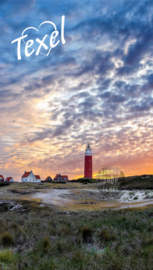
(65, 177)
(48, 179)
(60, 177)
(30, 177)
(9, 179)
(38, 177)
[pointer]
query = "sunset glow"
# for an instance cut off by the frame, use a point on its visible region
(96, 88)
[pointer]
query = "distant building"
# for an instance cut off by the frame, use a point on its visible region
(9, 179)
(1, 178)
(65, 177)
(37, 177)
(60, 177)
(48, 179)
(30, 177)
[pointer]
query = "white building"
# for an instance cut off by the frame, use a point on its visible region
(30, 177)
(9, 179)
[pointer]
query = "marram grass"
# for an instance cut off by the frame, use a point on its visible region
(44, 239)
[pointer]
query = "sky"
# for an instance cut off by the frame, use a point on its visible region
(96, 88)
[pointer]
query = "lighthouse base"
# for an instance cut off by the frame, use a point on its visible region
(88, 167)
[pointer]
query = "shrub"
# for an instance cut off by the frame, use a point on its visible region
(64, 230)
(125, 249)
(148, 241)
(6, 256)
(104, 235)
(7, 239)
(78, 256)
(132, 193)
(45, 244)
(150, 227)
(52, 230)
(86, 232)
(14, 226)
(63, 245)
(114, 262)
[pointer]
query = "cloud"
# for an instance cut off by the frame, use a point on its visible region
(95, 88)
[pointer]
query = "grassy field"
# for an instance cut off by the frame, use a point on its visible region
(70, 196)
(38, 238)
(136, 182)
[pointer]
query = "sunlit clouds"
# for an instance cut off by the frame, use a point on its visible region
(95, 88)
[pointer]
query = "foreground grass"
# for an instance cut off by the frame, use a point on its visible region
(41, 239)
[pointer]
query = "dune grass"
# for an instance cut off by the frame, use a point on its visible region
(7, 239)
(44, 239)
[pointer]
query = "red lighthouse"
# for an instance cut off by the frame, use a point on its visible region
(88, 162)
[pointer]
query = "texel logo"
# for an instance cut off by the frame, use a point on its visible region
(40, 45)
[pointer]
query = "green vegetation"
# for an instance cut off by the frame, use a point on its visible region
(132, 193)
(43, 239)
(86, 233)
(2, 184)
(6, 256)
(136, 182)
(85, 180)
(7, 239)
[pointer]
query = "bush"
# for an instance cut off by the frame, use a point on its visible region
(7, 239)
(104, 235)
(86, 232)
(125, 249)
(45, 244)
(14, 226)
(63, 246)
(148, 241)
(52, 230)
(6, 256)
(78, 256)
(64, 230)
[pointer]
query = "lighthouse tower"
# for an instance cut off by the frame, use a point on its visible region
(88, 162)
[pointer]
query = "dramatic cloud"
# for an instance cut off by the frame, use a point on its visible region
(97, 88)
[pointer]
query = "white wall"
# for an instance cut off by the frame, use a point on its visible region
(30, 178)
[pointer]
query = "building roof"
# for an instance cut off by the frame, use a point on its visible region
(8, 179)
(37, 177)
(64, 177)
(57, 175)
(47, 178)
(26, 174)
(1, 176)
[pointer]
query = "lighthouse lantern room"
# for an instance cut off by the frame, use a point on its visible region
(88, 162)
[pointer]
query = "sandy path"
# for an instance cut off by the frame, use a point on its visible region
(54, 196)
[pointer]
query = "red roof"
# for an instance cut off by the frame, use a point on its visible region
(37, 176)
(64, 177)
(57, 175)
(26, 174)
(8, 179)
(1, 176)
(47, 178)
